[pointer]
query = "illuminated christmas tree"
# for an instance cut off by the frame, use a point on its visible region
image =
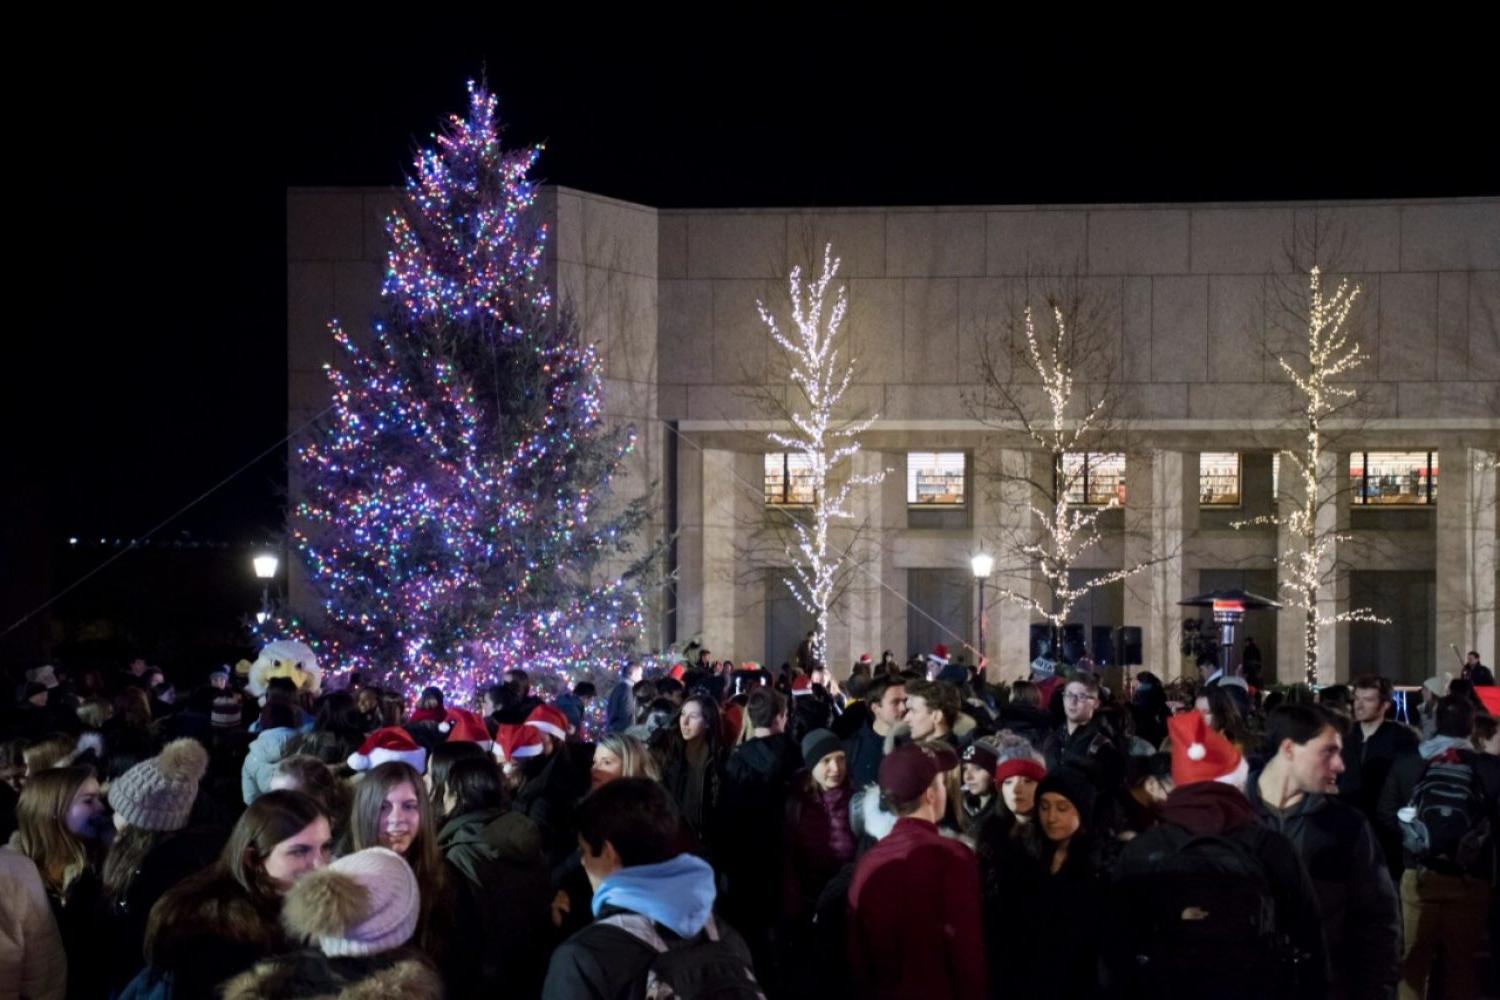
(453, 511)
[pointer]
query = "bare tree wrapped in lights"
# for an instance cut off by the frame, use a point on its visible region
(826, 440)
(1072, 417)
(454, 511)
(1311, 563)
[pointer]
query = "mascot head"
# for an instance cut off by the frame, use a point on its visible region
(285, 658)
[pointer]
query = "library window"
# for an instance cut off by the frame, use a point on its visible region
(1093, 479)
(1394, 477)
(788, 479)
(1219, 479)
(935, 478)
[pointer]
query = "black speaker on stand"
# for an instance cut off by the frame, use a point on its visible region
(1074, 643)
(1104, 645)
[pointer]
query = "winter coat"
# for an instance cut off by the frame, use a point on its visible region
(1212, 809)
(1407, 771)
(311, 975)
(1361, 918)
(547, 796)
(32, 961)
(1367, 765)
(261, 759)
(863, 752)
(757, 780)
(502, 895)
(217, 930)
(619, 713)
(603, 962)
(819, 842)
(1092, 749)
(676, 772)
(914, 924)
(1367, 762)
(79, 920)
(1011, 878)
(174, 858)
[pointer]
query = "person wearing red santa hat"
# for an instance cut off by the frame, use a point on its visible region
(514, 744)
(551, 785)
(385, 744)
(1209, 900)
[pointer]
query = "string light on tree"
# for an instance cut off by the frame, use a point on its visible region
(827, 441)
(1311, 564)
(1064, 531)
(451, 512)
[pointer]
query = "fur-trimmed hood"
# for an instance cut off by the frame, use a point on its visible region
(311, 975)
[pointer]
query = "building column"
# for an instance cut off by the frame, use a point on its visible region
(1161, 513)
(1003, 522)
(1466, 555)
(856, 626)
(706, 601)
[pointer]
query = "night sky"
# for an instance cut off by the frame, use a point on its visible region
(154, 193)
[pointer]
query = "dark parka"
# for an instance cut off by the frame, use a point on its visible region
(1361, 918)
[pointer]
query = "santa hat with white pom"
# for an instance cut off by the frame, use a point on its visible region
(1203, 754)
(389, 743)
(460, 725)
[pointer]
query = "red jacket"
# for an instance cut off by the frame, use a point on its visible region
(914, 924)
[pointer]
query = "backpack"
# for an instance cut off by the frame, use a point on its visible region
(1202, 910)
(1444, 825)
(702, 967)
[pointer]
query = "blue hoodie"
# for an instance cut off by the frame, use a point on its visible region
(678, 894)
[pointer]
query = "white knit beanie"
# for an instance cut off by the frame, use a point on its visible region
(362, 904)
(158, 794)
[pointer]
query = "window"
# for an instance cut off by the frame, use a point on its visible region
(1093, 479)
(1394, 477)
(1219, 479)
(935, 478)
(788, 478)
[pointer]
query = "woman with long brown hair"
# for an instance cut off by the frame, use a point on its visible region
(392, 809)
(690, 753)
(221, 921)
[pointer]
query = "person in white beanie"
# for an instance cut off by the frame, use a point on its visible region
(358, 916)
(153, 849)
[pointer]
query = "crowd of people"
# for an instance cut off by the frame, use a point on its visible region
(724, 830)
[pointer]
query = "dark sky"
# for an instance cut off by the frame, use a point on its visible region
(153, 192)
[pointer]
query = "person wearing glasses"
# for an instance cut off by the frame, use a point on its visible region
(1083, 740)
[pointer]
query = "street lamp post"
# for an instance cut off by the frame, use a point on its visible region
(981, 565)
(265, 571)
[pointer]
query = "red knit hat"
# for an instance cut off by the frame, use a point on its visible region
(388, 743)
(1023, 767)
(464, 726)
(1202, 754)
(516, 742)
(550, 720)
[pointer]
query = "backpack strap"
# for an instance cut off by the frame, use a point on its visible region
(639, 927)
(643, 929)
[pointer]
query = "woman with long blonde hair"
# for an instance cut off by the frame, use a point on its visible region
(618, 755)
(60, 823)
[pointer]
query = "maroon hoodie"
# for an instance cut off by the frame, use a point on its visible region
(1207, 808)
